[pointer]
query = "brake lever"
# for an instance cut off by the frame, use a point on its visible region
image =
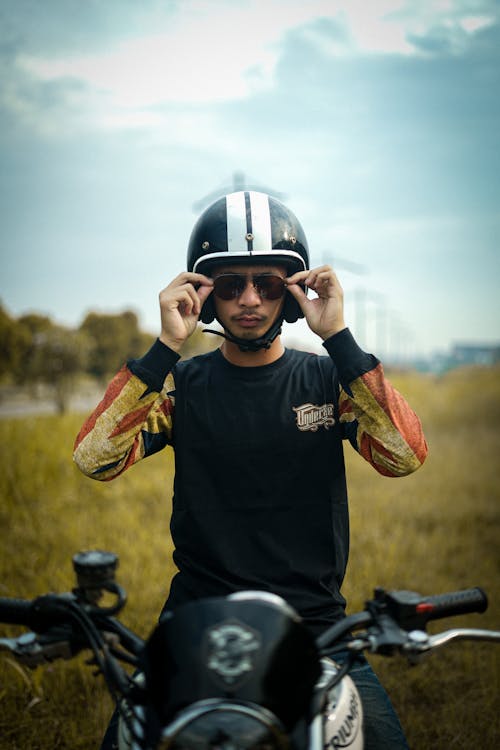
(385, 636)
(420, 643)
(31, 650)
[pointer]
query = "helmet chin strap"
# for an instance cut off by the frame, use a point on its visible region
(251, 345)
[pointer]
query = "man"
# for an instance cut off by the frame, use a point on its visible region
(260, 497)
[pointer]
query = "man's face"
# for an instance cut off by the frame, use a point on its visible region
(252, 308)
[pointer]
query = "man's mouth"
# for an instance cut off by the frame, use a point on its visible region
(248, 321)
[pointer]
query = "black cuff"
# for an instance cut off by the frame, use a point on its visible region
(154, 367)
(351, 361)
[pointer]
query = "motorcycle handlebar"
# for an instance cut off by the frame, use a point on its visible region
(454, 603)
(15, 611)
(391, 614)
(55, 610)
(385, 618)
(412, 611)
(38, 614)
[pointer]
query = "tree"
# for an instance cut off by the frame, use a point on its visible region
(56, 356)
(36, 323)
(199, 343)
(115, 338)
(15, 340)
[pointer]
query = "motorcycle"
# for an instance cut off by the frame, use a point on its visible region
(240, 672)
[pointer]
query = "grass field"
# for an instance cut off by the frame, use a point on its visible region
(435, 531)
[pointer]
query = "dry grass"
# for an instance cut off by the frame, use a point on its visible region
(434, 531)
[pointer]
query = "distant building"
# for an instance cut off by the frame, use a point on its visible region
(459, 355)
(475, 354)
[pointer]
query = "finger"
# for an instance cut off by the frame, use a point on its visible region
(316, 273)
(202, 280)
(184, 298)
(203, 293)
(188, 301)
(324, 282)
(199, 293)
(197, 296)
(199, 287)
(320, 269)
(310, 277)
(320, 280)
(190, 277)
(296, 278)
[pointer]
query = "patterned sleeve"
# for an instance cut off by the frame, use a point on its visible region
(376, 418)
(133, 420)
(386, 432)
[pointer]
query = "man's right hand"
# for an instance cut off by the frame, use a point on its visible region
(180, 306)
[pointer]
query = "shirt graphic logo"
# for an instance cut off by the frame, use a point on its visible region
(311, 416)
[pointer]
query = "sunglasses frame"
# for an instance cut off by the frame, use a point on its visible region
(239, 287)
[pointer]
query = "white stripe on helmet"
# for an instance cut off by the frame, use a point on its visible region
(276, 256)
(236, 223)
(261, 221)
(248, 231)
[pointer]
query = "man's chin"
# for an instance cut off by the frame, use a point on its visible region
(248, 333)
(245, 334)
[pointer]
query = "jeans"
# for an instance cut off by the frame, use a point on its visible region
(381, 726)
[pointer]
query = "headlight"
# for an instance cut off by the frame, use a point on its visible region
(222, 725)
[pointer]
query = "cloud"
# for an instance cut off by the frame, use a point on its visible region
(199, 54)
(445, 39)
(163, 68)
(72, 28)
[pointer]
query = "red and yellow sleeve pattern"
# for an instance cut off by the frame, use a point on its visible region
(388, 433)
(131, 422)
(377, 419)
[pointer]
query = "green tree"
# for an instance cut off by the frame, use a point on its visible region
(15, 340)
(114, 338)
(36, 323)
(199, 343)
(56, 356)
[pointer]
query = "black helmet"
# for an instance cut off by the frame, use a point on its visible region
(248, 227)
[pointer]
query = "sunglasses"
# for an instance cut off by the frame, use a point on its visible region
(232, 285)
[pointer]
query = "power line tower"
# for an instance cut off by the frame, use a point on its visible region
(348, 265)
(239, 182)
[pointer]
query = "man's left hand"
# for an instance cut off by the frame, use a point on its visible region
(325, 313)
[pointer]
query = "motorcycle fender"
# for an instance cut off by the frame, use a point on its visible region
(343, 717)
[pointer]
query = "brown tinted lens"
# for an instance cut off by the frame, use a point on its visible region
(229, 286)
(269, 286)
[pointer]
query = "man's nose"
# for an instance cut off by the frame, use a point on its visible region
(249, 296)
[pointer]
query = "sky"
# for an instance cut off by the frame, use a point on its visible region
(377, 121)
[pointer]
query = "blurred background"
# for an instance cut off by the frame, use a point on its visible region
(377, 123)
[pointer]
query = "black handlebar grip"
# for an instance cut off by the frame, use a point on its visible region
(15, 611)
(453, 603)
(37, 614)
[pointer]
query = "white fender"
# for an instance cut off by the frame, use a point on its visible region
(343, 715)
